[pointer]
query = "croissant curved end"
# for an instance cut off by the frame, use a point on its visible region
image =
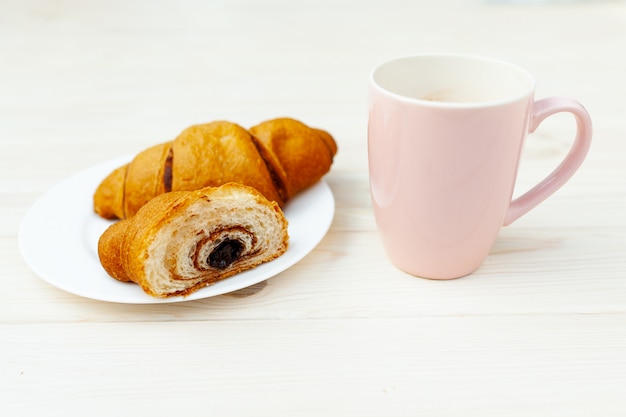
(110, 250)
(108, 200)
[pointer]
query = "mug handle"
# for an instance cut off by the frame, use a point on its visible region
(541, 110)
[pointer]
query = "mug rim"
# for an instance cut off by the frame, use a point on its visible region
(529, 92)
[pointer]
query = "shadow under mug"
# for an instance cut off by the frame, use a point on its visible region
(445, 135)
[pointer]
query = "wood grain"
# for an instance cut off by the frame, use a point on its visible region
(539, 329)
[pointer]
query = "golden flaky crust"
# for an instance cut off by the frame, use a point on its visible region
(300, 154)
(109, 197)
(279, 158)
(172, 245)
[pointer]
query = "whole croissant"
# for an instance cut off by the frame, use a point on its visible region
(182, 241)
(279, 158)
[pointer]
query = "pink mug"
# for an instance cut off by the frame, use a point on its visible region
(445, 135)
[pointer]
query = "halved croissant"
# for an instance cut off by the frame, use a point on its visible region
(182, 241)
(279, 158)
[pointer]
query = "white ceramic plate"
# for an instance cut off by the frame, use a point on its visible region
(59, 236)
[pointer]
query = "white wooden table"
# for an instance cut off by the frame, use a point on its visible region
(539, 330)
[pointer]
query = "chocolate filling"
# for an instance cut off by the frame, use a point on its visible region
(267, 157)
(226, 253)
(167, 171)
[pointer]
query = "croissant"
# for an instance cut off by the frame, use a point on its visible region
(279, 157)
(182, 241)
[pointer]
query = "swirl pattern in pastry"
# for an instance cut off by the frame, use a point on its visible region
(182, 241)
